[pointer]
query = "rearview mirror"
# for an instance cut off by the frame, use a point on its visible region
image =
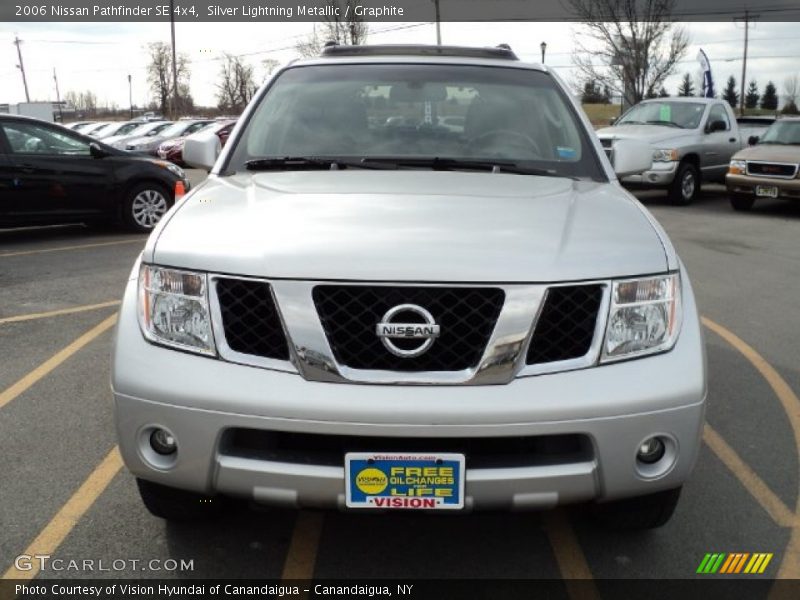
(752, 140)
(631, 157)
(201, 150)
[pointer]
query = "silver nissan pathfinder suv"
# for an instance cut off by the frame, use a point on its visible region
(364, 308)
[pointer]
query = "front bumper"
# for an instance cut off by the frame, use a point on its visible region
(745, 185)
(615, 407)
(660, 174)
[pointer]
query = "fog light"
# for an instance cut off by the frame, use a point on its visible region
(651, 451)
(163, 442)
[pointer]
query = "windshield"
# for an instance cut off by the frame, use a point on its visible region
(782, 132)
(409, 111)
(686, 115)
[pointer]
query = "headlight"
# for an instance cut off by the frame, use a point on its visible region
(665, 155)
(644, 318)
(737, 167)
(172, 168)
(173, 309)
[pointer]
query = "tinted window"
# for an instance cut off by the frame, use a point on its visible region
(407, 110)
(718, 113)
(29, 138)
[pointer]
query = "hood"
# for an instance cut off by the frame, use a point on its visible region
(768, 152)
(655, 134)
(432, 226)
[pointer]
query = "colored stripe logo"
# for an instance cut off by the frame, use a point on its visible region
(734, 563)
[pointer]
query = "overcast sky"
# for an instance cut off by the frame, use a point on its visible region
(99, 56)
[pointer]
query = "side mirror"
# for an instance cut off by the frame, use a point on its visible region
(716, 126)
(612, 120)
(201, 150)
(753, 140)
(631, 157)
(97, 151)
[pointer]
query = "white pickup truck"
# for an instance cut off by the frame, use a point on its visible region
(693, 140)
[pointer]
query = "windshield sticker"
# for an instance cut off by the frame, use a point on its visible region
(564, 152)
(666, 113)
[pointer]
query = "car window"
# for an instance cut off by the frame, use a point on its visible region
(782, 132)
(29, 138)
(718, 113)
(460, 112)
(686, 115)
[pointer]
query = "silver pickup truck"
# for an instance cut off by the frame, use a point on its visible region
(693, 140)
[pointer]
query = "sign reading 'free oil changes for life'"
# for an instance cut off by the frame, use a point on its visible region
(415, 481)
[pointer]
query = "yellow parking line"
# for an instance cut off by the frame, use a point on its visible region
(50, 538)
(790, 565)
(59, 312)
(302, 554)
(54, 361)
(570, 558)
(76, 247)
(759, 490)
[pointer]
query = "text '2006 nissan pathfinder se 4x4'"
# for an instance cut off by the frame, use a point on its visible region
(363, 308)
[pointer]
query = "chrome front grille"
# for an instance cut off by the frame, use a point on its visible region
(772, 169)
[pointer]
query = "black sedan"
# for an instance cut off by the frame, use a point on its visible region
(50, 174)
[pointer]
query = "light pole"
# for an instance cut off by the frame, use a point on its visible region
(130, 94)
(438, 24)
(543, 46)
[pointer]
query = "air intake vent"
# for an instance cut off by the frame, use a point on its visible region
(250, 318)
(566, 325)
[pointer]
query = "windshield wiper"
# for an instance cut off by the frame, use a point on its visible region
(631, 122)
(454, 164)
(303, 163)
(667, 123)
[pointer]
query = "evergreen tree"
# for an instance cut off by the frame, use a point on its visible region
(769, 101)
(687, 87)
(593, 94)
(730, 95)
(752, 96)
(663, 93)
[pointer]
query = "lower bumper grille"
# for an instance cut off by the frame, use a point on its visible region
(481, 453)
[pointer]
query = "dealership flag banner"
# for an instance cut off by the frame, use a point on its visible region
(708, 81)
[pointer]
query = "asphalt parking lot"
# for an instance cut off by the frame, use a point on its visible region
(65, 493)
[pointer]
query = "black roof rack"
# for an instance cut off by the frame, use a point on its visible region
(503, 51)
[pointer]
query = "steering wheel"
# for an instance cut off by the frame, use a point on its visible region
(518, 137)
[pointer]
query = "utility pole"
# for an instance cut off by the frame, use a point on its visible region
(746, 18)
(21, 67)
(438, 24)
(174, 61)
(58, 98)
(130, 94)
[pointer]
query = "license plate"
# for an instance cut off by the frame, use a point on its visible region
(404, 481)
(767, 191)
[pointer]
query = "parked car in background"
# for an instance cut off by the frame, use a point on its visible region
(144, 129)
(149, 143)
(93, 127)
(79, 125)
(115, 128)
(172, 150)
(692, 139)
(767, 169)
(49, 174)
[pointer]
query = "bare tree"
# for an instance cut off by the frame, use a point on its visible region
(237, 84)
(269, 65)
(351, 30)
(159, 76)
(628, 45)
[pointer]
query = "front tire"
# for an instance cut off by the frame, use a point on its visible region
(145, 205)
(685, 186)
(643, 512)
(177, 505)
(742, 203)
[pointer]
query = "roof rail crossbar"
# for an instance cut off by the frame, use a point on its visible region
(503, 52)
